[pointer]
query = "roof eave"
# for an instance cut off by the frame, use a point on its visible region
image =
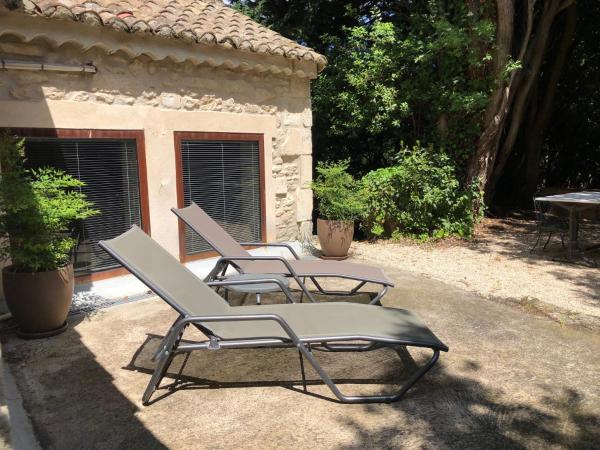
(56, 33)
(139, 27)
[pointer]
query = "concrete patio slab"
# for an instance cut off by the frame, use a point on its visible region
(510, 380)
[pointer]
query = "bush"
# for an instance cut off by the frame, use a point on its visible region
(37, 211)
(337, 192)
(419, 197)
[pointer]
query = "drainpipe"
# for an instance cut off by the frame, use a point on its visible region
(37, 66)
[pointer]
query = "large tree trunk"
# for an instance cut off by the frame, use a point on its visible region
(536, 133)
(534, 59)
(506, 114)
(482, 162)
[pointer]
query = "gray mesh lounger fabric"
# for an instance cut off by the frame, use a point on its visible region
(269, 325)
(227, 247)
(337, 321)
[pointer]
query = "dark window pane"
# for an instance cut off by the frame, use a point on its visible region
(223, 178)
(109, 169)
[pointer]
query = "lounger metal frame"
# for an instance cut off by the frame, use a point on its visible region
(226, 261)
(223, 263)
(172, 346)
(172, 342)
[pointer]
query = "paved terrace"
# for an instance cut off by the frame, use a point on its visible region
(511, 379)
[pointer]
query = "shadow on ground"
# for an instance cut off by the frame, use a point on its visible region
(444, 409)
(509, 381)
(71, 399)
(516, 235)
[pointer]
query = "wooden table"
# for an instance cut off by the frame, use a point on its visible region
(574, 202)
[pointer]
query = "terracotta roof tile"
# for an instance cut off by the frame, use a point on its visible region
(207, 21)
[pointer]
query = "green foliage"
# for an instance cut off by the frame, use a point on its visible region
(37, 209)
(399, 71)
(308, 21)
(510, 67)
(419, 197)
(337, 192)
(420, 77)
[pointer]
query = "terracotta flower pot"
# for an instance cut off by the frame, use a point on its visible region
(39, 301)
(335, 237)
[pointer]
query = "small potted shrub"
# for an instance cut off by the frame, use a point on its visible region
(37, 211)
(339, 206)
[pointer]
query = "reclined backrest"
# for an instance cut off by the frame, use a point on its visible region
(219, 239)
(164, 274)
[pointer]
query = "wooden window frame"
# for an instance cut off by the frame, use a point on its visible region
(78, 133)
(180, 136)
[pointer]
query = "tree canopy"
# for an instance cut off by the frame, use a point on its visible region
(507, 90)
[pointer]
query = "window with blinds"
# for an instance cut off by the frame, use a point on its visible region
(109, 169)
(223, 178)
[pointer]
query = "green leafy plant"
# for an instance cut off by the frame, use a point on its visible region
(425, 75)
(419, 197)
(38, 209)
(337, 192)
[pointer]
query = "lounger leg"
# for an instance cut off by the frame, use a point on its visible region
(301, 291)
(302, 371)
(161, 368)
(214, 273)
(161, 347)
(367, 398)
(377, 299)
(303, 288)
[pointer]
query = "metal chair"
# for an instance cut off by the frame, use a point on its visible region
(549, 221)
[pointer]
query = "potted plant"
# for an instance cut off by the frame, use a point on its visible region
(37, 211)
(339, 206)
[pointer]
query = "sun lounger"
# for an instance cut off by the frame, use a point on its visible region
(305, 326)
(233, 253)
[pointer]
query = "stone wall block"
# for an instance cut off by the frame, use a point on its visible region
(297, 142)
(280, 185)
(292, 119)
(306, 174)
(305, 231)
(305, 205)
(300, 88)
(170, 101)
(307, 118)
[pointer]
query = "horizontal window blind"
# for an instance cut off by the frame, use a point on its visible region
(223, 178)
(109, 169)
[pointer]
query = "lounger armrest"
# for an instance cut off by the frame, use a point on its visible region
(285, 262)
(277, 244)
(225, 283)
(180, 326)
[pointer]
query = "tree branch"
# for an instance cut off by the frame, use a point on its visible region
(534, 57)
(565, 4)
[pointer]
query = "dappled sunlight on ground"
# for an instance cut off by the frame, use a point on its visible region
(498, 263)
(510, 380)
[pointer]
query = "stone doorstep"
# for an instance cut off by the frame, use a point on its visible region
(20, 428)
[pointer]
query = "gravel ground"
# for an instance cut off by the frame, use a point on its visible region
(497, 264)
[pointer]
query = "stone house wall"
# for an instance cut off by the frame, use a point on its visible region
(165, 96)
